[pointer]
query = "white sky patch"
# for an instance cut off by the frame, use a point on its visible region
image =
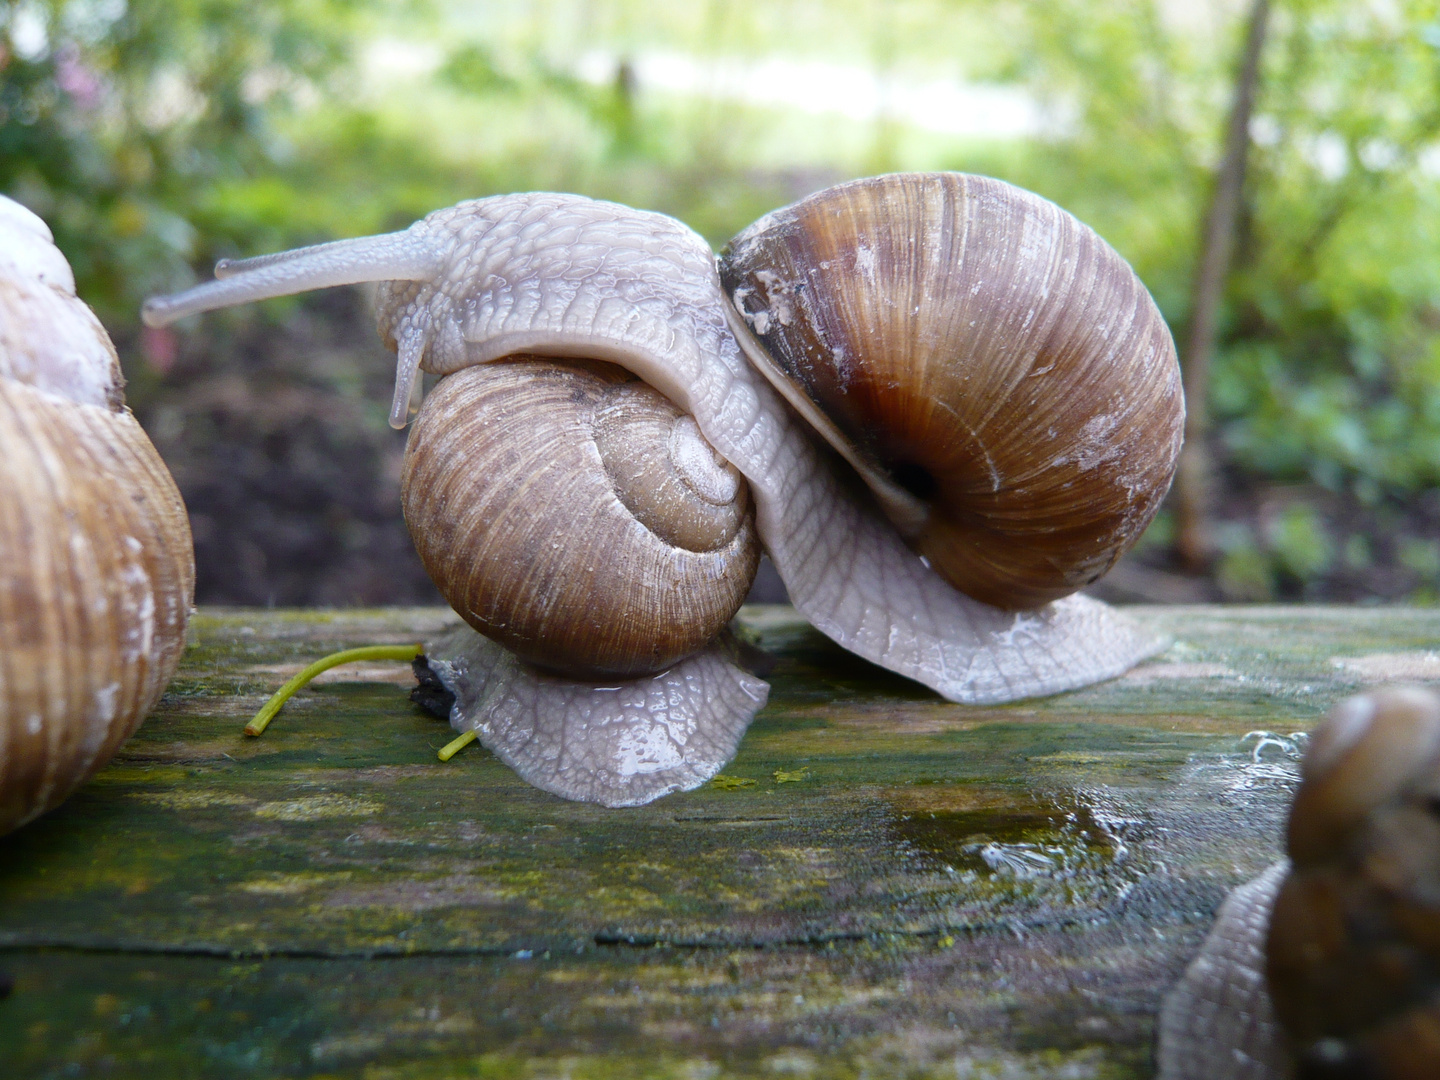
(1265, 130)
(1329, 154)
(399, 60)
(1378, 155)
(173, 99)
(29, 31)
(857, 93)
(1429, 160)
(946, 106)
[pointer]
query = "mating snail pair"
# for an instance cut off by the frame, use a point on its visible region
(1328, 964)
(97, 572)
(994, 373)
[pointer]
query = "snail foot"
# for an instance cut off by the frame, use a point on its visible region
(622, 742)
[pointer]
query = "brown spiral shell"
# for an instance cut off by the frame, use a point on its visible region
(1353, 951)
(97, 572)
(575, 515)
(95, 590)
(996, 372)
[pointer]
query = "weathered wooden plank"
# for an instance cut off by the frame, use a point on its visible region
(886, 884)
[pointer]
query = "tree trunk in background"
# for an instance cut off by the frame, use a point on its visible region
(1193, 542)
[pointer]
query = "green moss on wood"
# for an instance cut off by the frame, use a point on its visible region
(883, 884)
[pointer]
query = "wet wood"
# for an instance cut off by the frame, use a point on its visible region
(881, 883)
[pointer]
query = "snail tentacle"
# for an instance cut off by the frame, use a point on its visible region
(407, 374)
(407, 256)
(226, 268)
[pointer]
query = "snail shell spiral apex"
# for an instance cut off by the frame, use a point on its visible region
(993, 369)
(577, 516)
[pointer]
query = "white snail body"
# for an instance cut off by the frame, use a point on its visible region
(567, 277)
(96, 567)
(623, 742)
(1327, 964)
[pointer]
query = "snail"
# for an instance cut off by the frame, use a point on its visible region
(98, 573)
(582, 283)
(1328, 964)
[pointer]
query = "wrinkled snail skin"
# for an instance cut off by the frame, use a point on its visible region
(97, 575)
(624, 745)
(563, 276)
(1218, 1023)
(1344, 938)
(558, 277)
(997, 373)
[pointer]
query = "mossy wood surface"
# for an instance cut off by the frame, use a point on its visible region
(881, 883)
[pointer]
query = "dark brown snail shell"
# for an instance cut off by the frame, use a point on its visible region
(1353, 953)
(997, 373)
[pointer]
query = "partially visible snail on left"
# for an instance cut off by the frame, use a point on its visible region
(547, 288)
(1328, 964)
(97, 571)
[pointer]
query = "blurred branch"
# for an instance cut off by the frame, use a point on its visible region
(1192, 481)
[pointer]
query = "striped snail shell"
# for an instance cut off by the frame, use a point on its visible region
(639, 540)
(98, 573)
(996, 373)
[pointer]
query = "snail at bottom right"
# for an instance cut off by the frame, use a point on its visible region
(1328, 964)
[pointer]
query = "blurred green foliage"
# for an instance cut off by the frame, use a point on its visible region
(121, 121)
(1330, 359)
(158, 135)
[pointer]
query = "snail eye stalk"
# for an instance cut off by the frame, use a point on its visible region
(401, 256)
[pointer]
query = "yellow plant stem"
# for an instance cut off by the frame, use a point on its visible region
(325, 663)
(454, 746)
